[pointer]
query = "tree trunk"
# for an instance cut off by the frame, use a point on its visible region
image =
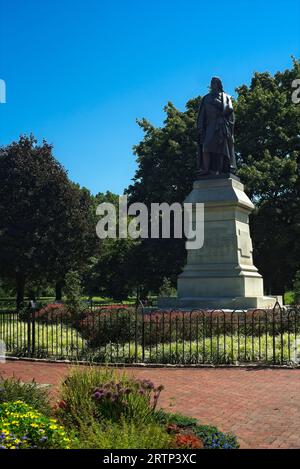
(58, 290)
(20, 287)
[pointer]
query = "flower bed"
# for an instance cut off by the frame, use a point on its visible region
(100, 408)
(107, 404)
(22, 427)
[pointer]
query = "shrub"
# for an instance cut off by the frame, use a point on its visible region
(167, 288)
(12, 389)
(214, 439)
(123, 435)
(179, 420)
(188, 441)
(110, 325)
(77, 406)
(53, 312)
(21, 427)
(104, 394)
(211, 437)
(134, 399)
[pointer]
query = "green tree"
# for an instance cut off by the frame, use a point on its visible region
(109, 272)
(73, 291)
(296, 285)
(45, 226)
(268, 146)
(166, 159)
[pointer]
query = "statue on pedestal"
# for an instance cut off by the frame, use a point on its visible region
(215, 124)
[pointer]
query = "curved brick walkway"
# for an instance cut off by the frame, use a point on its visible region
(261, 406)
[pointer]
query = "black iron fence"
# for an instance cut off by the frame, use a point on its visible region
(118, 334)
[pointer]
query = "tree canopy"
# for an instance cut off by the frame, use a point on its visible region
(45, 224)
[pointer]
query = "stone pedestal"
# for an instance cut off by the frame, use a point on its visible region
(221, 274)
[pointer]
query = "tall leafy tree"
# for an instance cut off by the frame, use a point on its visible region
(166, 160)
(268, 145)
(44, 219)
(110, 270)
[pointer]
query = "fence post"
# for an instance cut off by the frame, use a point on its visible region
(33, 333)
(29, 331)
(135, 333)
(143, 337)
(273, 333)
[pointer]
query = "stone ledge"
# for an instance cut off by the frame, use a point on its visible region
(224, 303)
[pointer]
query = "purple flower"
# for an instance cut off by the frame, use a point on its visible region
(146, 383)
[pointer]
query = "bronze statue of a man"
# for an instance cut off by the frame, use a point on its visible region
(215, 124)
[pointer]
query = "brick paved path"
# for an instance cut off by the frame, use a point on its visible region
(261, 406)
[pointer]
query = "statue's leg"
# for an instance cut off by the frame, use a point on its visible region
(219, 163)
(205, 163)
(199, 157)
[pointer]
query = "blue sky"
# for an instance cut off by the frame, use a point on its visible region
(78, 73)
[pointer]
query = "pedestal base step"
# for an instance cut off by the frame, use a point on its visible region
(240, 303)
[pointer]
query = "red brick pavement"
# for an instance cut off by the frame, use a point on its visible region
(261, 406)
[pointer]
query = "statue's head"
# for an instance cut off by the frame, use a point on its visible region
(216, 85)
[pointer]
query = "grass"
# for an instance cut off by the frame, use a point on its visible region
(122, 435)
(210, 350)
(51, 340)
(51, 299)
